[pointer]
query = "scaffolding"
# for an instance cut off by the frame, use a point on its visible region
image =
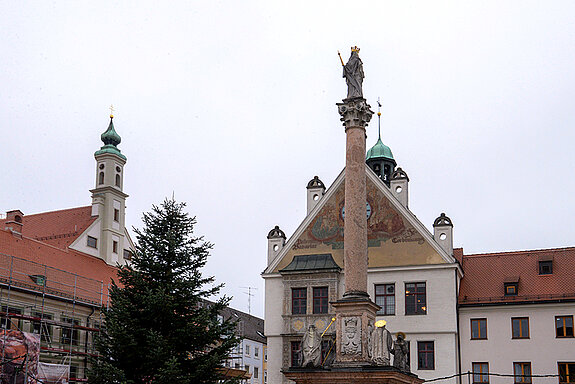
(63, 308)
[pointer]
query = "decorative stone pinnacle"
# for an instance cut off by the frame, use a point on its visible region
(354, 113)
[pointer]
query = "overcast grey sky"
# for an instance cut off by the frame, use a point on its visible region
(231, 107)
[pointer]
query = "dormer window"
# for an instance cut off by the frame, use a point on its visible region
(546, 267)
(511, 289)
(511, 285)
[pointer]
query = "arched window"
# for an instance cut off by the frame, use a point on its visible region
(101, 178)
(118, 181)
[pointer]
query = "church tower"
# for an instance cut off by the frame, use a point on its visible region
(109, 200)
(379, 157)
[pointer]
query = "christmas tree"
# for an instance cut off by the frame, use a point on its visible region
(160, 328)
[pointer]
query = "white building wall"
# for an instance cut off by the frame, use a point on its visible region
(274, 359)
(273, 327)
(438, 325)
(250, 359)
(542, 349)
(81, 243)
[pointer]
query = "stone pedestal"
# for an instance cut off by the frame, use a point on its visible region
(353, 320)
(360, 375)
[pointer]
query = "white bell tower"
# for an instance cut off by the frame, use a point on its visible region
(109, 200)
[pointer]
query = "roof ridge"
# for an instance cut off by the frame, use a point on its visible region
(504, 253)
(58, 210)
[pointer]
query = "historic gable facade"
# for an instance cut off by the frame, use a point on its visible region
(412, 275)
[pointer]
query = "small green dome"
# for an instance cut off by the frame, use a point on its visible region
(111, 139)
(379, 150)
(110, 136)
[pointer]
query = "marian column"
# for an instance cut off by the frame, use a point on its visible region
(355, 362)
(355, 312)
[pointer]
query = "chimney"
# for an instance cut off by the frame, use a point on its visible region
(398, 186)
(276, 241)
(13, 221)
(443, 233)
(315, 191)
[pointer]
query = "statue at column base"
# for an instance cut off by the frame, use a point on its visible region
(400, 353)
(381, 344)
(311, 348)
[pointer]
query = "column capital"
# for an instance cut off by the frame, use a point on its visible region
(354, 112)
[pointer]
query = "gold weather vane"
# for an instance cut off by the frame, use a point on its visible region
(111, 111)
(378, 118)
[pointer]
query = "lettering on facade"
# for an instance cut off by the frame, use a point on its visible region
(409, 236)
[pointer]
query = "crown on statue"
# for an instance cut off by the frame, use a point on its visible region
(355, 49)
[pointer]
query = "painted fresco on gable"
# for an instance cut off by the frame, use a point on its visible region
(384, 223)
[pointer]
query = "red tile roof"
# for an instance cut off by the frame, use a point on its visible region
(43, 250)
(485, 275)
(58, 228)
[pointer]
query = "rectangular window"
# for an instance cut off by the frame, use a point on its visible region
(265, 376)
(478, 329)
(298, 301)
(425, 355)
(320, 300)
(256, 372)
(546, 267)
(415, 299)
(127, 254)
(115, 246)
(385, 298)
(41, 327)
(8, 320)
(480, 373)
(247, 368)
(265, 354)
(564, 326)
(69, 335)
(566, 372)
(116, 214)
(295, 353)
(520, 327)
(247, 350)
(510, 289)
(522, 372)
(256, 351)
(92, 242)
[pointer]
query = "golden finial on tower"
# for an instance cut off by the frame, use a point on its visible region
(111, 111)
(378, 119)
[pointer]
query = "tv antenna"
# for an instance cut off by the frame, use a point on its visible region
(250, 294)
